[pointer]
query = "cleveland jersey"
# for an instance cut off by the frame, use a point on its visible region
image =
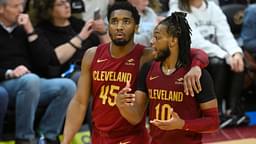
(109, 77)
(166, 92)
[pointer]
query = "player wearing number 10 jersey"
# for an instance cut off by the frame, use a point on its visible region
(174, 116)
(105, 70)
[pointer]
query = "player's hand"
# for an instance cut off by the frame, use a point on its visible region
(124, 98)
(174, 123)
(192, 81)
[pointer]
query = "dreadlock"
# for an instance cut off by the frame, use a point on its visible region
(177, 26)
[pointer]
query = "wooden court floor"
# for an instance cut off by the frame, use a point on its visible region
(239, 135)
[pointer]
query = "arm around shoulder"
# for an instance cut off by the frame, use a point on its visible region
(209, 121)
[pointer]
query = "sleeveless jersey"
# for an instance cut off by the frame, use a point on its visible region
(109, 77)
(166, 93)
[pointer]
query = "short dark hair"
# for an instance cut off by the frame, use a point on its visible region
(177, 26)
(124, 5)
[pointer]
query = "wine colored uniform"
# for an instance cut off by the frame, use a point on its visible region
(109, 76)
(166, 93)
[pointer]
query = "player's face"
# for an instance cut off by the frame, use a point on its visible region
(121, 27)
(160, 43)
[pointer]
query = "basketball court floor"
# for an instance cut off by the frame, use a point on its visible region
(239, 135)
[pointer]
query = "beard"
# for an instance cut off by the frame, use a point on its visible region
(122, 42)
(162, 55)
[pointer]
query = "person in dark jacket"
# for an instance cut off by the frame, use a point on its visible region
(65, 37)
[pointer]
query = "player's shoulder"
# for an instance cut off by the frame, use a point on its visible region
(89, 54)
(91, 51)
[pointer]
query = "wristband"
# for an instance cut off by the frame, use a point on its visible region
(80, 38)
(30, 34)
(73, 45)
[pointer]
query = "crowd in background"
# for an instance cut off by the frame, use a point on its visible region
(61, 31)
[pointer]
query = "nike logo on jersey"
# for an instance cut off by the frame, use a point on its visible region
(153, 77)
(125, 142)
(130, 62)
(179, 80)
(101, 60)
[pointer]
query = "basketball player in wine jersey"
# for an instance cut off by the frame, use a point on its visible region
(105, 70)
(174, 116)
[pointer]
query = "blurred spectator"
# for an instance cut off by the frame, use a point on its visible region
(211, 32)
(226, 2)
(85, 9)
(22, 54)
(156, 6)
(65, 37)
(3, 108)
(248, 36)
(248, 33)
(164, 5)
(216, 1)
(148, 20)
(92, 5)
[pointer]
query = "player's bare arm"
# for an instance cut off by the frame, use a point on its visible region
(78, 105)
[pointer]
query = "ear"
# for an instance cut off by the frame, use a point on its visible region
(136, 28)
(172, 41)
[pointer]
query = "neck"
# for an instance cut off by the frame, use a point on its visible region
(6, 23)
(120, 51)
(169, 65)
(61, 22)
(196, 3)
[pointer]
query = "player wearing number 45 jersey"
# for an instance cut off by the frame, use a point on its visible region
(174, 117)
(105, 70)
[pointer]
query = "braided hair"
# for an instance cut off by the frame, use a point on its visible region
(177, 26)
